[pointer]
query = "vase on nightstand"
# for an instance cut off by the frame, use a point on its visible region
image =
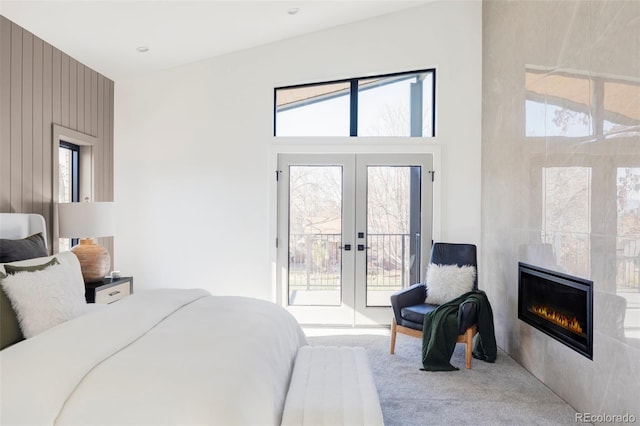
(94, 259)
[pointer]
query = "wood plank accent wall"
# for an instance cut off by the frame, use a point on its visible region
(41, 86)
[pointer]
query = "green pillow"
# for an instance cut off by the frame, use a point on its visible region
(12, 269)
(10, 332)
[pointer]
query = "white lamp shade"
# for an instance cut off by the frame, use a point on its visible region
(86, 220)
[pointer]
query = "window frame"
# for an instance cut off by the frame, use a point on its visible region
(353, 97)
(86, 143)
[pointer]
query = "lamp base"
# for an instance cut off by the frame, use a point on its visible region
(94, 259)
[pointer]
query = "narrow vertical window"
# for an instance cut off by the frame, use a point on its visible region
(69, 181)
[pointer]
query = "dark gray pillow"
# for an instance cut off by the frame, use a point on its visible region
(26, 248)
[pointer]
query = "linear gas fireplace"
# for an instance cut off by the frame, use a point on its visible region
(557, 304)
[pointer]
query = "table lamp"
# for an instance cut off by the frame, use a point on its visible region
(87, 221)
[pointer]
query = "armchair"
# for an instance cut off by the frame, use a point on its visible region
(410, 308)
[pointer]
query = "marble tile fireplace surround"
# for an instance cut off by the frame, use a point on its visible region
(561, 184)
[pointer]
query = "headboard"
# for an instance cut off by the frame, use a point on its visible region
(21, 225)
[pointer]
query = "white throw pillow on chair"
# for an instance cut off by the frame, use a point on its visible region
(446, 282)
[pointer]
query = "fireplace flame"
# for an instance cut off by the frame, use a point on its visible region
(557, 318)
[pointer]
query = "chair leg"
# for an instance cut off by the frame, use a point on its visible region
(393, 337)
(468, 338)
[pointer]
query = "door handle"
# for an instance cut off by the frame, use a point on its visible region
(346, 247)
(361, 247)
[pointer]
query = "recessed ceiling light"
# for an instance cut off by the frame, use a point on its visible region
(142, 49)
(293, 10)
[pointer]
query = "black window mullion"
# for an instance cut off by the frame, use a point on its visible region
(353, 120)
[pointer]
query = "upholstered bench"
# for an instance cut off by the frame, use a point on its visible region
(332, 385)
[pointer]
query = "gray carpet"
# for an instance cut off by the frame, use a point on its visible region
(503, 393)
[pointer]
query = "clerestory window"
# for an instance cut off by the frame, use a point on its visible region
(399, 104)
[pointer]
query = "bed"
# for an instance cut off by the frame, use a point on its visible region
(158, 357)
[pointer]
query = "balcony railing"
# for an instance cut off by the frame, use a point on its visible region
(315, 261)
(389, 262)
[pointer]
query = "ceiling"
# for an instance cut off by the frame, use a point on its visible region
(104, 35)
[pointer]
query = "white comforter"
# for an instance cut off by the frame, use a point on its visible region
(162, 357)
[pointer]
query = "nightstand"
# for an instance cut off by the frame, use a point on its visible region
(108, 290)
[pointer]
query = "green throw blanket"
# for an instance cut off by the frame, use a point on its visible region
(441, 327)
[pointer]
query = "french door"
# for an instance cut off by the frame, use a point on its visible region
(352, 229)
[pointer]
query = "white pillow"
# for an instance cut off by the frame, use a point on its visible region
(43, 299)
(446, 282)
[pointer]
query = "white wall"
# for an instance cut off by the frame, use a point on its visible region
(195, 155)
